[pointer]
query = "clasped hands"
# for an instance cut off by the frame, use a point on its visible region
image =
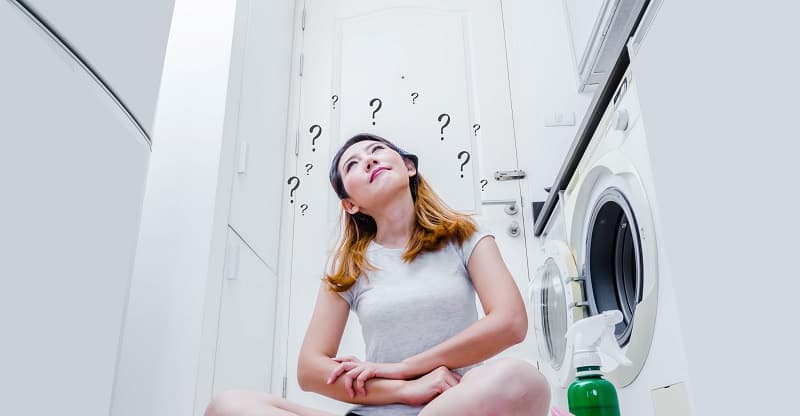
(356, 373)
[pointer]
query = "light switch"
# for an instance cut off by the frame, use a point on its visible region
(560, 118)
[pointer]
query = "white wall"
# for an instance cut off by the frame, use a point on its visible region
(718, 89)
(182, 217)
(543, 81)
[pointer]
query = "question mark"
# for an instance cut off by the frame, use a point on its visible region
(303, 207)
(463, 152)
(380, 104)
(319, 131)
(308, 168)
(476, 127)
(484, 182)
(335, 99)
(294, 188)
(414, 96)
(446, 123)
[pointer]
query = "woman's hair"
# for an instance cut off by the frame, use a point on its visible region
(436, 223)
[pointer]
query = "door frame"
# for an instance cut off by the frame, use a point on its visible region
(286, 250)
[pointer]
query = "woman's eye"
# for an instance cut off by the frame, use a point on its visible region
(374, 149)
(349, 165)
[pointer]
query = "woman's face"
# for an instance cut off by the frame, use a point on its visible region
(372, 173)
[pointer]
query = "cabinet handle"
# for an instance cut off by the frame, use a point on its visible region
(232, 260)
(242, 165)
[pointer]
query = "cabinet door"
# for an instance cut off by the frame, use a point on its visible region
(259, 184)
(585, 19)
(246, 321)
(72, 175)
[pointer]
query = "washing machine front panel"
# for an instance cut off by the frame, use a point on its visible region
(618, 256)
(616, 167)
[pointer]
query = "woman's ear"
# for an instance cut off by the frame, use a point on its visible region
(350, 207)
(412, 170)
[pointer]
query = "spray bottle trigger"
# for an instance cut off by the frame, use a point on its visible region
(608, 348)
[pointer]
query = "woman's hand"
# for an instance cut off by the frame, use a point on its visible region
(356, 373)
(426, 388)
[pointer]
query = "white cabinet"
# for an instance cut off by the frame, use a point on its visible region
(598, 30)
(585, 18)
(236, 350)
(259, 182)
(246, 321)
(72, 178)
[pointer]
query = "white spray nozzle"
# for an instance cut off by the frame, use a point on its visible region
(591, 342)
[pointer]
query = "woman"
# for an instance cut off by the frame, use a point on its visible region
(409, 266)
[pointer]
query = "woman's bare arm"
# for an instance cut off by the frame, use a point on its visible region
(321, 344)
(505, 323)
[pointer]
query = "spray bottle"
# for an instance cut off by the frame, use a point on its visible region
(590, 394)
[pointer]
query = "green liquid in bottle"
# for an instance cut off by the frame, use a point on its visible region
(592, 395)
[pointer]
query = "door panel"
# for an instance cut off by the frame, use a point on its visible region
(246, 321)
(453, 57)
(388, 56)
(261, 128)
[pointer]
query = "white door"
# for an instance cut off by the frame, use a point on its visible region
(432, 79)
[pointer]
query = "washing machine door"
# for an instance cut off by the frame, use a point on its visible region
(557, 299)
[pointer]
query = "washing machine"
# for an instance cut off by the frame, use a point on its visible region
(601, 253)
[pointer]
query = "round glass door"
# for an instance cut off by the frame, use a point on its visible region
(549, 304)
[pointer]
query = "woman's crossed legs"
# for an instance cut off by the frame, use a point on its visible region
(502, 387)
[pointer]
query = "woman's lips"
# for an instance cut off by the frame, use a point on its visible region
(375, 173)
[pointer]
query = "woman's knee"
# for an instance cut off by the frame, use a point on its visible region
(223, 404)
(526, 374)
(238, 402)
(518, 379)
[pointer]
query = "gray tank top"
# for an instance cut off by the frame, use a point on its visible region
(407, 308)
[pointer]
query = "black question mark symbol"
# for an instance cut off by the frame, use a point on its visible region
(294, 188)
(303, 208)
(446, 123)
(308, 168)
(463, 152)
(414, 96)
(335, 99)
(319, 131)
(476, 127)
(380, 104)
(484, 182)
